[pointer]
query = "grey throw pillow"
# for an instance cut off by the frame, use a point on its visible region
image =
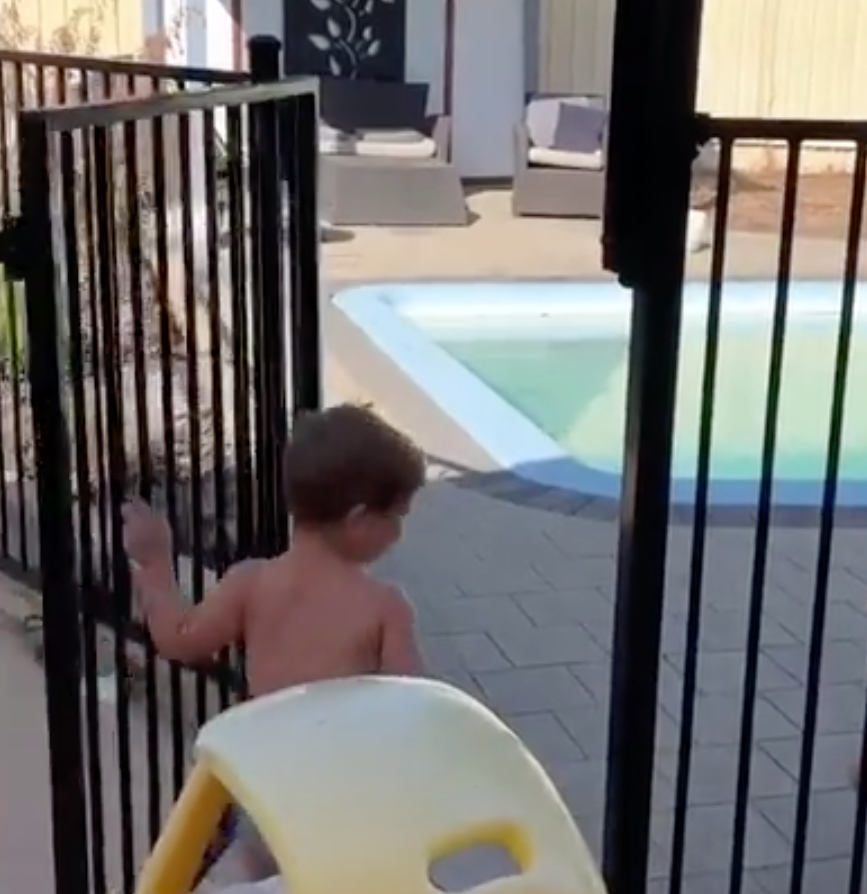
(541, 120)
(580, 128)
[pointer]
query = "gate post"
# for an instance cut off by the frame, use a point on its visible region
(269, 342)
(299, 129)
(653, 139)
(60, 609)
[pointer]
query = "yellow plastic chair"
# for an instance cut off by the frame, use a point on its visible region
(358, 786)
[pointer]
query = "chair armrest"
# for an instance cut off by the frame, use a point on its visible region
(439, 128)
(522, 146)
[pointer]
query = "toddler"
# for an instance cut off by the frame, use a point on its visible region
(314, 612)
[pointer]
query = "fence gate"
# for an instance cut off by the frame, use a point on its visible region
(739, 838)
(157, 240)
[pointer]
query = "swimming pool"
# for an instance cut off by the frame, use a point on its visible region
(536, 374)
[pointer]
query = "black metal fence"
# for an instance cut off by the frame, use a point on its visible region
(648, 194)
(31, 80)
(167, 237)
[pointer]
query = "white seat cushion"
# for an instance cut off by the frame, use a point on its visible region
(376, 143)
(558, 158)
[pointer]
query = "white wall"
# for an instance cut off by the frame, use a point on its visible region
(488, 84)
(261, 17)
(219, 40)
(425, 47)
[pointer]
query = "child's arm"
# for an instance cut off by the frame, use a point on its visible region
(194, 633)
(400, 655)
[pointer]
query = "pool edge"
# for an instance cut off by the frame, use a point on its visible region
(523, 484)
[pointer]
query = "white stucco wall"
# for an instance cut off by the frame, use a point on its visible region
(425, 47)
(488, 84)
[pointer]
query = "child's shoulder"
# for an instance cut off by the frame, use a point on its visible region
(391, 598)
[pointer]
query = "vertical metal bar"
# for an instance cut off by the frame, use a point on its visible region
(69, 182)
(241, 298)
(238, 273)
(859, 835)
(826, 524)
(301, 148)
(158, 155)
(268, 311)
(6, 208)
(56, 529)
(145, 470)
(107, 275)
(40, 85)
(763, 518)
(14, 313)
(647, 182)
(215, 318)
(699, 523)
(94, 353)
(193, 398)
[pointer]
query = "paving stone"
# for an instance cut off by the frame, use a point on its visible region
(842, 662)
(820, 877)
(713, 774)
(570, 572)
(566, 606)
(595, 678)
(723, 672)
(589, 727)
(834, 757)
(723, 631)
(831, 821)
(841, 707)
(471, 651)
(533, 689)
(717, 720)
(842, 621)
(486, 614)
(546, 737)
(582, 786)
(708, 883)
(477, 577)
(709, 839)
(548, 645)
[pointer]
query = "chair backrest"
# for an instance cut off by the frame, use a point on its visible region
(361, 785)
(349, 105)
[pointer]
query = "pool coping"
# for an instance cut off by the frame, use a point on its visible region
(457, 455)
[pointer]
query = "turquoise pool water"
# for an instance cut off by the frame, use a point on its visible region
(536, 374)
(574, 389)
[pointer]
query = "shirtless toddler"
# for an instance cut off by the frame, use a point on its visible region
(314, 612)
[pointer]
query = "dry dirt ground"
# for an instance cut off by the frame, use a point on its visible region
(823, 203)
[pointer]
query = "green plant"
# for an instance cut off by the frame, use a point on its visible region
(13, 335)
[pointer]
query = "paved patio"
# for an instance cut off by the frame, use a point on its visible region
(515, 605)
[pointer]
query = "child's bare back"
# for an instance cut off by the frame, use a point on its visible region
(313, 613)
(308, 618)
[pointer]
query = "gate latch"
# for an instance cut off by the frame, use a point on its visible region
(12, 254)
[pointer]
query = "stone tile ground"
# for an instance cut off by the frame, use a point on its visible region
(516, 605)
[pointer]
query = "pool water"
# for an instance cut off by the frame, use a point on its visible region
(573, 388)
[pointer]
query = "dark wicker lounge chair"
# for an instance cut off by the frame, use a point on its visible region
(560, 158)
(383, 160)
